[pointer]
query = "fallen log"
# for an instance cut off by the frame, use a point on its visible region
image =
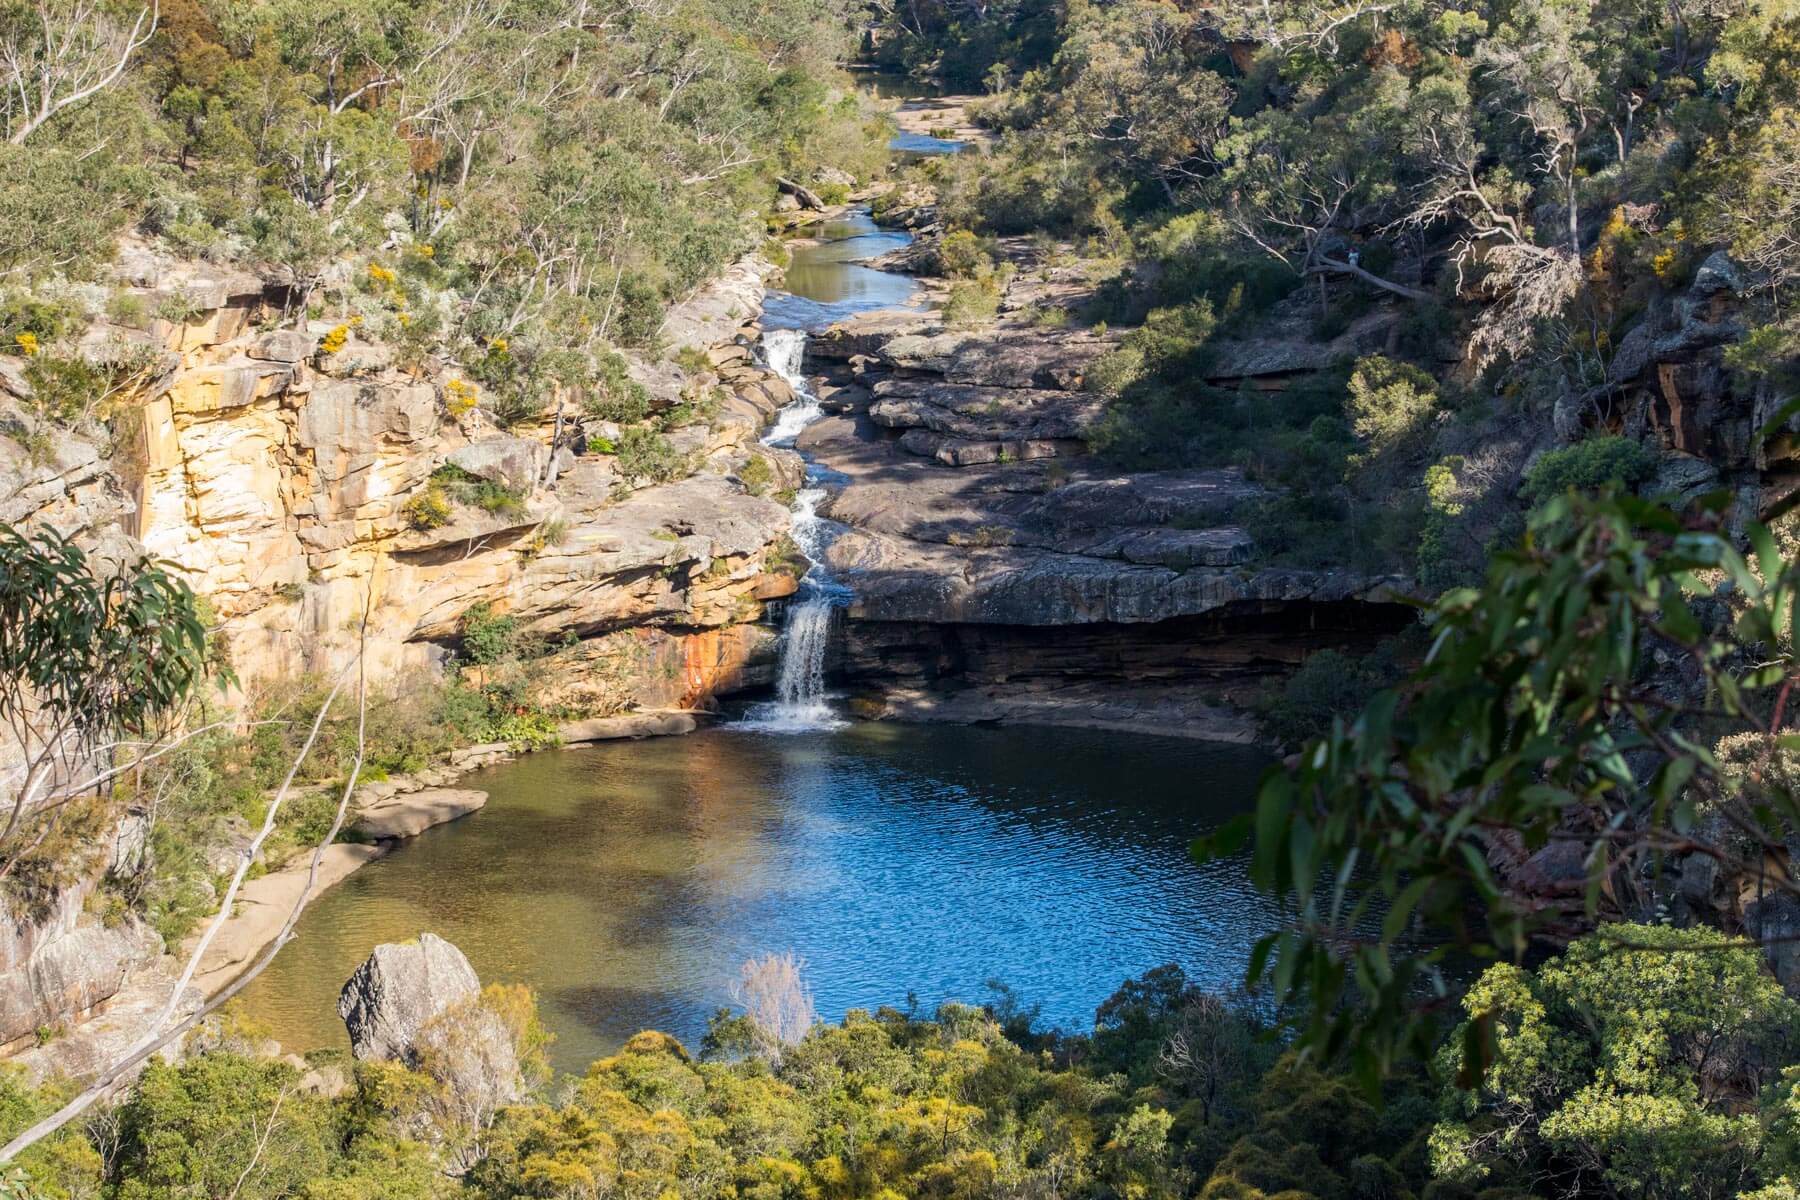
(806, 196)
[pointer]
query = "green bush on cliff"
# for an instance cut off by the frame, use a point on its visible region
(489, 636)
(646, 454)
(429, 509)
(961, 255)
(1587, 466)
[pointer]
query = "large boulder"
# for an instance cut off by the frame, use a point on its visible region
(400, 989)
(512, 461)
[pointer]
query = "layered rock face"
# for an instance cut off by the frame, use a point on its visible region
(278, 477)
(987, 550)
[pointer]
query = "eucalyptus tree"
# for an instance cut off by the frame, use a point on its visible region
(1550, 763)
(1133, 83)
(95, 669)
(57, 54)
(1299, 180)
(100, 668)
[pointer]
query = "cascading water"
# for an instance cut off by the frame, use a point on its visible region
(800, 701)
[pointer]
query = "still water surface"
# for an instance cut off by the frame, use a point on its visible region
(626, 882)
(826, 280)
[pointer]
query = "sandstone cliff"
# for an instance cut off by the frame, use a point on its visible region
(278, 476)
(273, 463)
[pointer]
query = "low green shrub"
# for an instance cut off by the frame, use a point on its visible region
(429, 509)
(1587, 466)
(647, 454)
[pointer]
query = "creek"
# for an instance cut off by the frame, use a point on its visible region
(625, 883)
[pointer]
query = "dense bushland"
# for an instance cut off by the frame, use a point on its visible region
(1496, 195)
(513, 184)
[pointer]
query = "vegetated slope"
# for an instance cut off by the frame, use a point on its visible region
(411, 334)
(1386, 257)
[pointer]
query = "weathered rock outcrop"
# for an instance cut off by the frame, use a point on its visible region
(1005, 536)
(399, 990)
(999, 571)
(63, 963)
(280, 476)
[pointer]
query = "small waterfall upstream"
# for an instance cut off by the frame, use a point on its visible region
(800, 702)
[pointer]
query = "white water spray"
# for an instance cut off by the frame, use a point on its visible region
(800, 702)
(785, 351)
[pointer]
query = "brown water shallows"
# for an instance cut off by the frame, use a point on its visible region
(626, 882)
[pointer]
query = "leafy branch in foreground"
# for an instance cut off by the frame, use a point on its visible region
(95, 670)
(1540, 771)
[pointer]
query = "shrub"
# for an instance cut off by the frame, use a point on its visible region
(488, 636)
(646, 454)
(613, 395)
(960, 255)
(1587, 466)
(1390, 407)
(756, 475)
(46, 320)
(494, 497)
(64, 389)
(971, 303)
(430, 509)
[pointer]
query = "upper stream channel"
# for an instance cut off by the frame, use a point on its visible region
(626, 882)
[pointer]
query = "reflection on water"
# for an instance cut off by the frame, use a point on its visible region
(625, 883)
(826, 281)
(924, 145)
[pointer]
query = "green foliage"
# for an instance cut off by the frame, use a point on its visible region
(430, 509)
(615, 396)
(647, 454)
(961, 255)
(66, 1164)
(1606, 1061)
(197, 1128)
(1330, 685)
(1174, 1095)
(971, 303)
(451, 484)
(756, 475)
(489, 636)
(1587, 466)
(1390, 407)
(89, 654)
(1531, 704)
(963, 46)
(44, 319)
(259, 133)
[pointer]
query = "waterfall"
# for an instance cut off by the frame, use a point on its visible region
(800, 703)
(785, 351)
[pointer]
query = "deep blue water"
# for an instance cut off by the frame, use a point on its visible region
(627, 882)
